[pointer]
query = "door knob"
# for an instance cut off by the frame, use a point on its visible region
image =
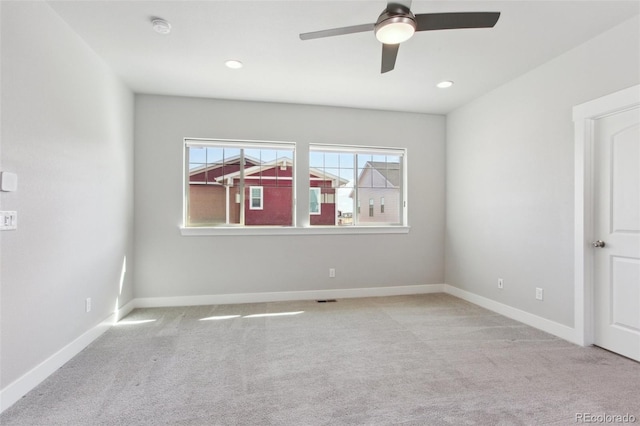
(598, 244)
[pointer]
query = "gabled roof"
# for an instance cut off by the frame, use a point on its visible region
(328, 176)
(258, 167)
(227, 161)
(392, 175)
(277, 163)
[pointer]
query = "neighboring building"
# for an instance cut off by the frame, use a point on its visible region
(379, 193)
(214, 194)
(345, 218)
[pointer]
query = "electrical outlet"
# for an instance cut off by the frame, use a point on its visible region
(332, 272)
(539, 293)
(87, 304)
(500, 283)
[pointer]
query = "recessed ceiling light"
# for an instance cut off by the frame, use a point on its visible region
(161, 26)
(444, 84)
(233, 64)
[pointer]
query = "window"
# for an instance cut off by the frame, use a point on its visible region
(249, 187)
(315, 201)
(232, 183)
(256, 197)
(352, 174)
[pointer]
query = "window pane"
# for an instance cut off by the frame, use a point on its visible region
(332, 177)
(331, 159)
(268, 155)
(380, 178)
(355, 179)
(207, 204)
(363, 159)
(329, 175)
(235, 199)
(197, 155)
(316, 159)
(346, 160)
(215, 195)
(231, 154)
(252, 156)
(197, 172)
(215, 155)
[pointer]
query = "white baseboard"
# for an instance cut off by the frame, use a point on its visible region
(125, 310)
(20, 387)
(552, 327)
(17, 389)
(224, 299)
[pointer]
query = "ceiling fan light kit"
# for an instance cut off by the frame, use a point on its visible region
(397, 24)
(395, 29)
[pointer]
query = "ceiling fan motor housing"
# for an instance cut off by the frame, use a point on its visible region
(395, 24)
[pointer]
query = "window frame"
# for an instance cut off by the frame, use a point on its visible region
(300, 192)
(239, 144)
(251, 198)
(371, 150)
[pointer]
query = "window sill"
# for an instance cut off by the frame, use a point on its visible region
(284, 230)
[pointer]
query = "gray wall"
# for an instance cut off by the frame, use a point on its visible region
(510, 176)
(67, 131)
(168, 264)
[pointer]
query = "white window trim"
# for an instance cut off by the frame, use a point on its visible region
(392, 151)
(300, 185)
(291, 230)
(251, 198)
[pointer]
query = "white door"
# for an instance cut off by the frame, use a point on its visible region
(616, 247)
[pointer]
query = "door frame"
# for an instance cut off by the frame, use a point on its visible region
(584, 117)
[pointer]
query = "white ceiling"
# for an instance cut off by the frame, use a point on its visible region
(338, 71)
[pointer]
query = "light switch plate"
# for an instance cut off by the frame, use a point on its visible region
(8, 220)
(8, 181)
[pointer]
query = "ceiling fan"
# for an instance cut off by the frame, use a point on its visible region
(397, 24)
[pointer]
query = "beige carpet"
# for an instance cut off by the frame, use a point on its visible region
(408, 360)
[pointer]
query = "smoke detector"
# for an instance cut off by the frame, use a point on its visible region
(161, 26)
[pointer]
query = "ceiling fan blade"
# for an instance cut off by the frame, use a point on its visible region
(389, 54)
(337, 31)
(454, 20)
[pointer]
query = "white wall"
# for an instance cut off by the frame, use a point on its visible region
(510, 167)
(168, 264)
(67, 131)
